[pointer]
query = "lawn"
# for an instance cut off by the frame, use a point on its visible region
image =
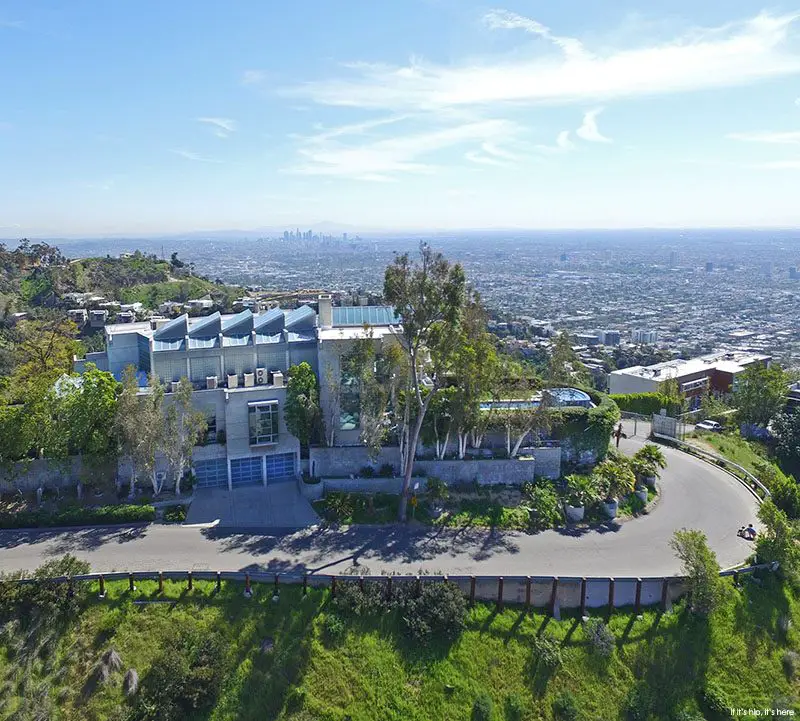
(733, 447)
(371, 671)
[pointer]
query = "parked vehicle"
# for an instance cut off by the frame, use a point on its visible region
(708, 426)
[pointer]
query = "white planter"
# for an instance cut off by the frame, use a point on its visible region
(650, 481)
(641, 494)
(610, 507)
(312, 491)
(574, 513)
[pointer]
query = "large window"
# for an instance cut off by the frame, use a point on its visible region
(263, 422)
(350, 403)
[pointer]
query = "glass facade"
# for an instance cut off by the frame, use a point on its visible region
(350, 403)
(263, 422)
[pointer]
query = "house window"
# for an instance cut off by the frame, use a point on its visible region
(263, 422)
(211, 430)
(350, 403)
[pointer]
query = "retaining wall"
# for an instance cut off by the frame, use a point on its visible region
(41, 473)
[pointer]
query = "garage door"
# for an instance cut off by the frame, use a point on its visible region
(280, 468)
(211, 473)
(245, 471)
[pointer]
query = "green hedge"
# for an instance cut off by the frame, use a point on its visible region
(78, 516)
(587, 428)
(646, 404)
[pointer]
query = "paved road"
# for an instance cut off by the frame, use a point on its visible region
(694, 495)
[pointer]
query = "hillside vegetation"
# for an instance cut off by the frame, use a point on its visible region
(208, 655)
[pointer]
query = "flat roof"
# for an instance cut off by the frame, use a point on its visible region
(725, 361)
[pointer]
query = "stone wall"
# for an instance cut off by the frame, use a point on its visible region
(349, 460)
(41, 473)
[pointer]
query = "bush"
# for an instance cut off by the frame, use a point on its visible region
(790, 662)
(367, 472)
(78, 516)
(547, 651)
(700, 566)
(639, 703)
(483, 708)
(601, 639)
(175, 514)
(386, 471)
(565, 707)
(713, 699)
(440, 610)
(515, 708)
(545, 505)
(436, 489)
(334, 628)
(340, 506)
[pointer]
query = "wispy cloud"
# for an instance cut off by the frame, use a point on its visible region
(332, 152)
(222, 127)
(189, 155)
(253, 77)
(589, 130)
(790, 137)
(13, 24)
(563, 144)
(734, 54)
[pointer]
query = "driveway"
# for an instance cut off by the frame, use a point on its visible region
(278, 506)
(694, 495)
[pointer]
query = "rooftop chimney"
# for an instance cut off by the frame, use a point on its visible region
(325, 311)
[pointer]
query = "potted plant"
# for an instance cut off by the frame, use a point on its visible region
(580, 492)
(647, 462)
(615, 479)
(437, 492)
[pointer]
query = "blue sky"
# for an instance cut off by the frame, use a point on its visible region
(148, 117)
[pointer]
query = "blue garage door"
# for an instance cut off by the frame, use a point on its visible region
(280, 468)
(211, 473)
(245, 471)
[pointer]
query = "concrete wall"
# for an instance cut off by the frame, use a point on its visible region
(349, 460)
(28, 476)
(622, 382)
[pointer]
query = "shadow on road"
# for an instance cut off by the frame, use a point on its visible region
(65, 540)
(601, 528)
(357, 544)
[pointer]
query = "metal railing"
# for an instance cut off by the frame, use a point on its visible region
(742, 474)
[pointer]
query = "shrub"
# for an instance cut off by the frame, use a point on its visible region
(175, 514)
(367, 472)
(639, 703)
(565, 707)
(790, 661)
(440, 610)
(78, 516)
(544, 503)
(547, 651)
(713, 699)
(601, 639)
(515, 707)
(581, 490)
(436, 489)
(483, 708)
(386, 471)
(340, 506)
(334, 628)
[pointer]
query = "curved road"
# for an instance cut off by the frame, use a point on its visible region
(694, 494)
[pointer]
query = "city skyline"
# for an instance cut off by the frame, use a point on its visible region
(434, 115)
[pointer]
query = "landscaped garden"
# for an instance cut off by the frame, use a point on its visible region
(203, 654)
(618, 487)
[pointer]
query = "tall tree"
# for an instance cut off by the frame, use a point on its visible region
(564, 368)
(760, 393)
(45, 349)
(786, 430)
(184, 426)
(429, 295)
(301, 410)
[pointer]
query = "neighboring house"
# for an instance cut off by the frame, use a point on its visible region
(715, 371)
(238, 364)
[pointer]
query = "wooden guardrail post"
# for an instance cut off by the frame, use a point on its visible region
(419, 587)
(276, 591)
(554, 596)
(528, 592)
(472, 582)
(611, 590)
(219, 581)
(637, 606)
(305, 585)
(664, 594)
(248, 592)
(500, 582)
(102, 581)
(333, 586)
(583, 597)
(161, 581)
(131, 585)
(189, 580)
(361, 584)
